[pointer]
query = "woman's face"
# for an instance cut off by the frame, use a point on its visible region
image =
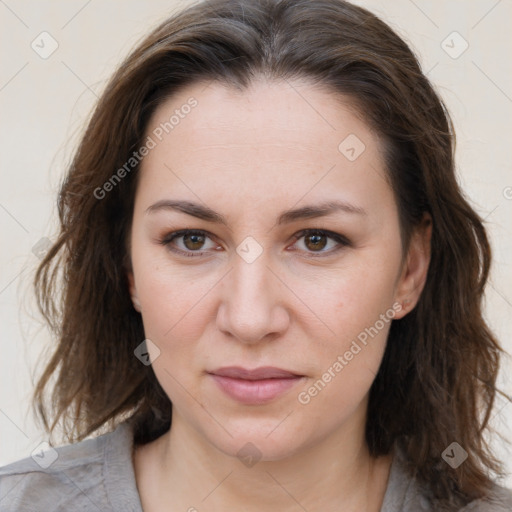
(294, 267)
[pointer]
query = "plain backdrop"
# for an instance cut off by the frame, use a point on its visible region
(464, 46)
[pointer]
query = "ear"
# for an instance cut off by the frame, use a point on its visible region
(133, 290)
(413, 276)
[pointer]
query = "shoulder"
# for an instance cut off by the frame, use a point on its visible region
(406, 494)
(499, 500)
(87, 476)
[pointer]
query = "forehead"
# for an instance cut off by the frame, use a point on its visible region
(284, 139)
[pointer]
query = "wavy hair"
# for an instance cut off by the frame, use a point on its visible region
(436, 383)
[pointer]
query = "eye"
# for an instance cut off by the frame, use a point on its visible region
(315, 241)
(193, 242)
(188, 242)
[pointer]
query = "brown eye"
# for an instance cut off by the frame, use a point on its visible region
(193, 242)
(315, 241)
(189, 242)
(319, 242)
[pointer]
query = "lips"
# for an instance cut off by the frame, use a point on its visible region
(264, 372)
(256, 386)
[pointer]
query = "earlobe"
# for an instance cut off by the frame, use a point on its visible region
(136, 303)
(133, 291)
(414, 272)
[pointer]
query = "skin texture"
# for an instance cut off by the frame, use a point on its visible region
(249, 156)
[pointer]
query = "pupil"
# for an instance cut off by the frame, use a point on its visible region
(316, 241)
(196, 241)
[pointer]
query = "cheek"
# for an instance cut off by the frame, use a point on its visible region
(345, 369)
(358, 309)
(174, 319)
(172, 308)
(356, 296)
(169, 294)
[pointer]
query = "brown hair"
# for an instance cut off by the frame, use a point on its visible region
(437, 380)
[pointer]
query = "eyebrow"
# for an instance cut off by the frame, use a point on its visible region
(286, 217)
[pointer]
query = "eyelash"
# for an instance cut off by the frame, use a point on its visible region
(340, 239)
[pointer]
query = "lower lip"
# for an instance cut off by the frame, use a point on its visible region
(254, 392)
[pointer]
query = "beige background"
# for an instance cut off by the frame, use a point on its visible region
(44, 103)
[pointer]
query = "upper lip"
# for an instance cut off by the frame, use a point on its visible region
(264, 372)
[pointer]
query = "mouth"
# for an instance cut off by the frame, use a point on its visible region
(257, 386)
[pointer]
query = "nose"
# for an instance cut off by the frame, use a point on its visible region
(252, 306)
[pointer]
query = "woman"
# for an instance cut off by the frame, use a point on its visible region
(263, 240)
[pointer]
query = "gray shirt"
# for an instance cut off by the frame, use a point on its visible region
(97, 475)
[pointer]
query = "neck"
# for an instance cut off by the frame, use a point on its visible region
(183, 468)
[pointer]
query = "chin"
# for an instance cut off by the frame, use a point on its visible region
(255, 441)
